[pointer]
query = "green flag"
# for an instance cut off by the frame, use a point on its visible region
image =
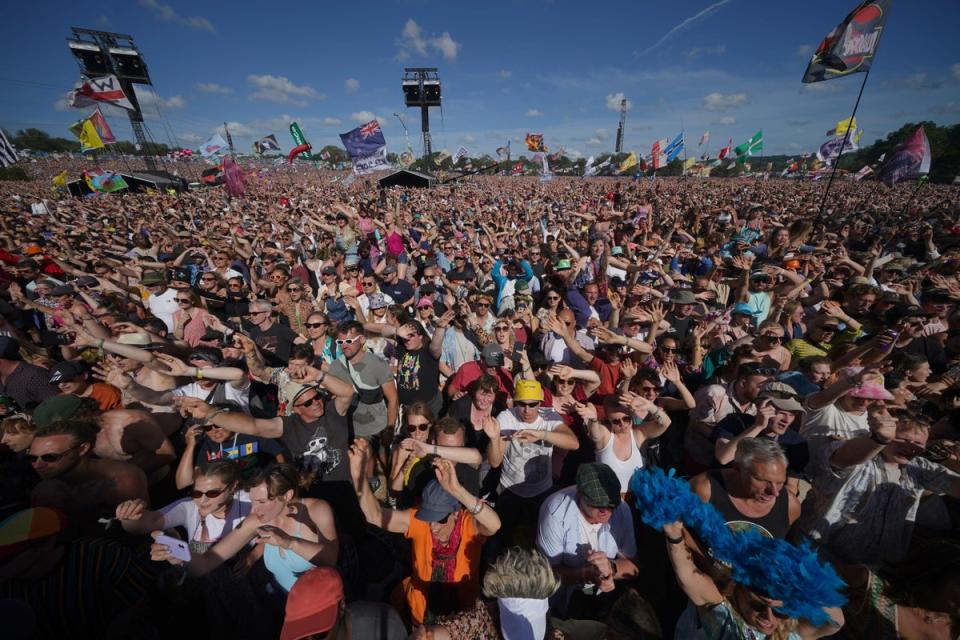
(750, 147)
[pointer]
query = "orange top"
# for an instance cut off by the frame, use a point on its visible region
(466, 569)
(106, 395)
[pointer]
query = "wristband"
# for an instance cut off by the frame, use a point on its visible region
(213, 415)
(873, 436)
(477, 509)
(674, 540)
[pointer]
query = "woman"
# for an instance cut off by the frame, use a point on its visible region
(298, 307)
(737, 612)
(919, 597)
(447, 532)
(213, 510)
(213, 292)
(17, 430)
(189, 320)
(476, 407)
(551, 303)
(298, 533)
(317, 328)
(792, 320)
(417, 421)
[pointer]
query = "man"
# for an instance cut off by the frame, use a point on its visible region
(839, 412)
(28, 384)
(158, 297)
(490, 363)
(70, 377)
(371, 292)
(73, 480)
(274, 339)
(586, 532)
(866, 490)
(681, 317)
(811, 374)
(587, 303)
(777, 410)
(418, 367)
(715, 402)
(817, 341)
(378, 404)
(134, 436)
(399, 290)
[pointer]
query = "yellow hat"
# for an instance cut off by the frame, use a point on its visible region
(528, 391)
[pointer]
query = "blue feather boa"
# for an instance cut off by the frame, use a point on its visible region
(775, 567)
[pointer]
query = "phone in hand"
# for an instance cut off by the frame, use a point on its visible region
(179, 549)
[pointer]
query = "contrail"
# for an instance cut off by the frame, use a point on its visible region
(683, 25)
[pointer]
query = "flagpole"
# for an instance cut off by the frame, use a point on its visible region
(906, 207)
(843, 143)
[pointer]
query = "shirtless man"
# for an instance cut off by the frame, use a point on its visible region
(133, 436)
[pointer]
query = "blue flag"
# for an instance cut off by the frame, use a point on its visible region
(364, 141)
(675, 147)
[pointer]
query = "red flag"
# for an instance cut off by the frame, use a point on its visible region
(725, 150)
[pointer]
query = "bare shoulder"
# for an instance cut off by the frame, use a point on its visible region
(700, 484)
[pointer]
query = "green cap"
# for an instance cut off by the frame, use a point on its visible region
(598, 485)
(56, 408)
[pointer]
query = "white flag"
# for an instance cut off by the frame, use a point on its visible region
(215, 144)
(104, 89)
(461, 152)
(8, 154)
(704, 139)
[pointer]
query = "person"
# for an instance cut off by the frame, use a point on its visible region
(297, 533)
(446, 532)
(522, 442)
(866, 490)
(316, 608)
(273, 339)
(72, 480)
(159, 298)
(586, 532)
(839, 411)
(736, 611)
(378, 403)
(214, 508)
(17, 432)
(190, 319)
(26, 383)
(491, 363)
(818, 339)
(810, 375)
(919, 596)
(70, 377)
(418, 361)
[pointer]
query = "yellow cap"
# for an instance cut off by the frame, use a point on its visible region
(528, 391)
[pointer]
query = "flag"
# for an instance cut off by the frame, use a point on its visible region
(535, 142)
(643, 164)
(107, 89)
(726, 150)
(628, 162)
(657, 157)
(831, 149)
(843, 126)
(910, 160)
(689, 162)
(268, 143)
(233, 177)
(769, 166)
(89, 138)
(863, 173)
(502, 153)
(60, 180)
(8, 154)
(441, 156)
(407, 159)
(589, 169)
(299, 141)
(850, 47)
(461, 152)
(518, 169)
(675, 148)
(367, 148)
(215, 144)
(750, 147)
(704, 139)
(104, 180)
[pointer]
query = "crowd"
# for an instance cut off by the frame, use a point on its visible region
(338, 411)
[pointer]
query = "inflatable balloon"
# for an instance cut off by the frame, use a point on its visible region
(297, 151)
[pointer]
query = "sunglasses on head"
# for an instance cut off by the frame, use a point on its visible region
(425, 426)
(49, 458)
(348, 341)
(212, 493)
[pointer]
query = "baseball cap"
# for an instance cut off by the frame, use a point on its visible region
(389, 269)
(898, 312)
(683, 296)
(436, 504)
(871, 391)
(598, 485)
(492, 355)
(9, 348)
(424, 302)
(87, 281)
(67, 371)
(56, 408)
(329, 271)
(152, 277)
(562, 265)
(62, 290)
(742, 308)
(312, 604)
(782, 396)
(528, 391)
(759, 275)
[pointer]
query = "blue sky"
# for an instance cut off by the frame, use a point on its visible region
(556, 67)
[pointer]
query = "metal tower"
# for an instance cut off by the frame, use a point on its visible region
(421, 88)
(623, 120)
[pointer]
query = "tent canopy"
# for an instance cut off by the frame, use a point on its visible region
(408, 178)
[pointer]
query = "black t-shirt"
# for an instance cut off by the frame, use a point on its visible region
(319, 447)
(275, 343)
(478, 439)
(243, 448)
(418, 375)
(400, 291)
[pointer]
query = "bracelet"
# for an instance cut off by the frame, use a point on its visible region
(199, 374)
(674, 540)
(873, 436)
(213, 415)
(477, 509)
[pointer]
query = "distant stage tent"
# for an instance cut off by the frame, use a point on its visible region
(408, 178)
(137, 182)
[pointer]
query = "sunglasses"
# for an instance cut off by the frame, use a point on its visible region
(369, 284)
(213, 493)
(771, 338)
(315, 325)
(235, 286)
(348, 341)
(622, 420)
(292, 289)
(307, 403)
(761, 607)
(49, 458)
(501, 328)
(184, 300)
(425, 426)
(528, 405)
(559, 381)
(553, 298)
(483, 304)
(669, 350)
(208, 279)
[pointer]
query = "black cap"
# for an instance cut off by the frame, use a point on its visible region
(9, 348)
(898, 312)
(67, 371)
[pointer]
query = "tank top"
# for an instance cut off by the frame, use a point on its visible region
(623, 468)
(775, 524)
(285, 565)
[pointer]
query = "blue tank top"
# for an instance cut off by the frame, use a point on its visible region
(285, 565)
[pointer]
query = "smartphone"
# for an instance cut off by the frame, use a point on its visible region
(179, 549)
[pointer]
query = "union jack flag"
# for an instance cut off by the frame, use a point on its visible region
(364, 141)
(369, 129)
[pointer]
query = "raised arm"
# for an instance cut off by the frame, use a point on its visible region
(232, 421)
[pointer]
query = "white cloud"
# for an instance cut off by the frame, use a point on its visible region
(166, 13)
(956, 71)
(804, 51)
(696, 52)
(238, 130)
(281, 90)
(594, 142)
(534, 113)
(151, 101)
(920, 81)
(414, 40)
(723, 101)
(613, 101)
(506, 73)
(602, 134)
(683, 25)
(190, 138)
(351, 84)
(366, 116)
(212, 87)
(332, 122)
(63, 104)
(728, 120)
(468, 139)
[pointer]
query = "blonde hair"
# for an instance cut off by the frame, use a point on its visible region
(520, 573)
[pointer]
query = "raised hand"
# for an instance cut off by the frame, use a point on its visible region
(587, 411)
(178, 368)
(131, 509)
(447, 475)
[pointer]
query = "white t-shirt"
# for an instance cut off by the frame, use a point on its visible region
(164, 306)
(231, 393)
(185, 513)
(526, 468)
(830, 423)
